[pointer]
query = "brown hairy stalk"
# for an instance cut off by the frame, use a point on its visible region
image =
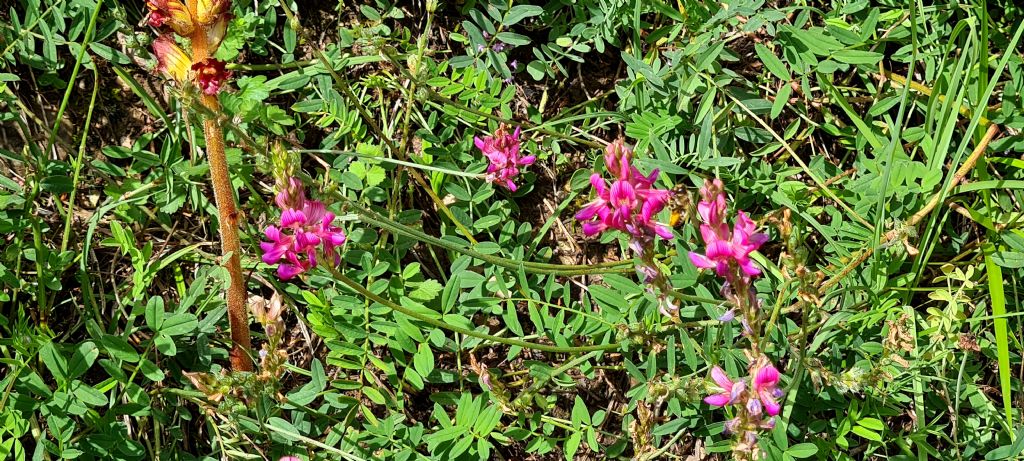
(227, 214)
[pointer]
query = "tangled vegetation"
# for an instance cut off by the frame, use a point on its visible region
(492, 229)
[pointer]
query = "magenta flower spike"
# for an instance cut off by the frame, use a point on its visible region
(305, 227)
(725, 249)
(755, 400)
(502, 151)
(630, 203)
(755, 405)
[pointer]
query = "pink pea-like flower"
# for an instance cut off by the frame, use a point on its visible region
(305, 227)
(502, 150)
(765, 388)
(630, 203)
(730, 390)
(725, 248)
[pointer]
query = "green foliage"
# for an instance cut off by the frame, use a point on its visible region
(113, 330)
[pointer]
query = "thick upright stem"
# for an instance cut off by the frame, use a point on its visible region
(227, 214)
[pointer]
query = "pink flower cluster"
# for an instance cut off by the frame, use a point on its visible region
(502, 150)
(764, 390)
(753, 402)
(630, 203)
(305, 226)
(726, 250)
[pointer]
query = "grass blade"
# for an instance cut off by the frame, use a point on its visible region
(995, 286)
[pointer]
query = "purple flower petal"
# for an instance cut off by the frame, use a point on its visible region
(749, 268)
(664, 231)
(721, 379)
(272, 233)
(599, 185)
(287, 271)
(588, 211)
(701, 261)
(623, 193)
(591, 229)
(292, 217)
(754, 406)
(272, 252)
(770, 405)
(314, 212)
(717, 400)
(719, 250)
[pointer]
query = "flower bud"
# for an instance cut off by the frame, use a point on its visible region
(618, 157)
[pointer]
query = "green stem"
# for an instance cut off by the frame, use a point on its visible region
(74, 75)
(565, 308)
(696, 299)
(557, 371)
(78, 164)
(775, 313)
(466, 331)
(421, 45)
(267, 67)
(41, 257)
(664, 448)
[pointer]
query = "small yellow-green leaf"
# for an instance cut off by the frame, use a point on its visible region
(871, 423)
(867, 433)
